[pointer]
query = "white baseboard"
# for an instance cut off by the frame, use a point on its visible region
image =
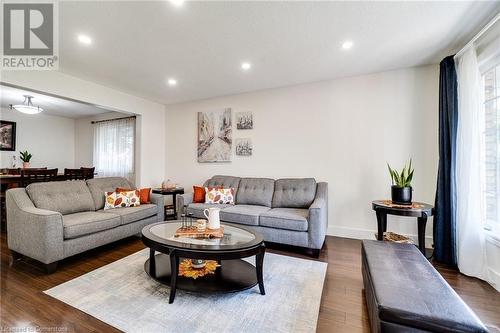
(492, 255)
(357, 233)
(495, 277)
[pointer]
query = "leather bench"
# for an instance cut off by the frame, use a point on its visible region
(404, 293)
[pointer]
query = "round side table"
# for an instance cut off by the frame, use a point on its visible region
(419, 210)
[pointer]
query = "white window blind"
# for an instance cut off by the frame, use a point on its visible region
(114, 148)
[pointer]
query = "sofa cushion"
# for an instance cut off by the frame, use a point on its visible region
(65, 197)
(197, 208)
(84, 223)
(218, 195)
(285, 218)
(144, 193)
(255, 191)
(294, 193)
(133, 214)
(223, 181)
(120, 199)
(98, 186)
(199, 194)
(243, 214)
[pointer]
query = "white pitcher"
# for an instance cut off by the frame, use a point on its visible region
(212, 214)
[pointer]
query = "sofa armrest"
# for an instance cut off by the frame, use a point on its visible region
(159, 201)
(34, 232)
(182, 201)
(318, 217)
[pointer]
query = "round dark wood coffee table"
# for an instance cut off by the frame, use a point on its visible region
(234, 274)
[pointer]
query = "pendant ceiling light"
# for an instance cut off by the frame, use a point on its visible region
(27, 106)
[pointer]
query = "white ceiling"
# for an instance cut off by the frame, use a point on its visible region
(54, 106)
(138, 45)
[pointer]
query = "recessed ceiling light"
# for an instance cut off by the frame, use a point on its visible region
(347, 45)
(85, 39)
(177, 3)
(246, 66)
(172, 82)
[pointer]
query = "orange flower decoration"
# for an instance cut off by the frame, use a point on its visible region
(186, 269)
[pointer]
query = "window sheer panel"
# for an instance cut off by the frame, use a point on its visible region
(478, 160)
(488, 48)
(491, 154)
(114, 148)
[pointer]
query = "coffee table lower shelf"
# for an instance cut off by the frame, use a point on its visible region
(232, 276)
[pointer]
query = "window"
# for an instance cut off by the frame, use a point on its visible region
(491, 162)
(114, 143)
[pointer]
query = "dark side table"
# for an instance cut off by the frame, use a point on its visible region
(173, 192)
(419, 210)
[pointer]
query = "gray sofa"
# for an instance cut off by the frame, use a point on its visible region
(55, 220)
(286, 211)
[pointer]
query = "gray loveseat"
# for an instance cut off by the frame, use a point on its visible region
(286, 211)
(55, 220)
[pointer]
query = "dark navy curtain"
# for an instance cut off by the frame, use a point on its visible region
(444, 219)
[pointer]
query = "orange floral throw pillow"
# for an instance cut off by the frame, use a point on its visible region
(217, 195)
(121, 199)
(144, 193)
(199, 194)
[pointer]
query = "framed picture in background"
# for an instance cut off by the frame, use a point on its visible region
(214, 136)
(244, 120)
(7, 135)
(244, 147)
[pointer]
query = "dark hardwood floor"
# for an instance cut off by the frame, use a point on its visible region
(342, 306)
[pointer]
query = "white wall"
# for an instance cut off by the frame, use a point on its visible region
(152, 145)
(50, 139)
(341, 131)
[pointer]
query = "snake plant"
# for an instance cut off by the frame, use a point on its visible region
(403, 178)
(25, 156)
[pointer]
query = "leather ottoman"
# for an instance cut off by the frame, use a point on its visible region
(404, 293)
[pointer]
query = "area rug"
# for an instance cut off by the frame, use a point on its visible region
(122, 295)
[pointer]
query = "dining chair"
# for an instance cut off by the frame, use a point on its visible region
(72, 174)
(37, 175)
(88, 172)
(79, 174)
(4, 186)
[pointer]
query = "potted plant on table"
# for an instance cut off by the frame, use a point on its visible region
(26, 158)
(401, 190)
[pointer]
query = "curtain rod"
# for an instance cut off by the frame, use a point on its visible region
(479, 34)
(105, 120)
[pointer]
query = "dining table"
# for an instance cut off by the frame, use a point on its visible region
(15, 180)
